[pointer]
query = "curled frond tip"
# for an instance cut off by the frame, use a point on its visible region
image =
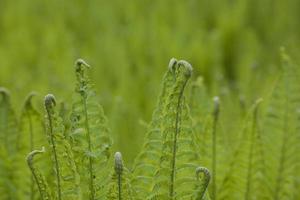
(203, 170)
(49, 101)
(4, 91)
(29, 97)
(188, 67)
(216, 100)
(172, 64)
(118, 163)
(81, 63)
(33, 153)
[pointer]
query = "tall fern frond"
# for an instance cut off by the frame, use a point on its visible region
(178, 156)
(89, 136)
(119, 187)
(8, 147)
(67, 179)
(244, 176)
(146, 162)
(31, 136)
(281, 131)
(39, 179)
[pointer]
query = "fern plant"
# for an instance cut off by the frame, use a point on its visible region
(31, 137)
(281, 131)
(67, 179)
(8, 147)
(39, 178)
(89, 137)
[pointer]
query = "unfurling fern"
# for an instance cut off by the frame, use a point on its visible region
(8, 147)
(147, 161)
(119, 187)
(178, 155)
(31, 137)
(89, 137)
(66, 176)
(203, 178)
(39, 179)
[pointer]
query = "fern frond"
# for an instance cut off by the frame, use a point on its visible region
(39, 179)
(146, 162)
(243, 179)
(67, 179)
(281, 131)
(119, 187)
(90, 139)
(31, 136)
(178, 156)
(8, 147)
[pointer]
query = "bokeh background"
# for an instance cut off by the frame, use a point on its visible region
(233, 44)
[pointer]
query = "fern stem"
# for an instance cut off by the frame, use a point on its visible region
(31, 139)
(49, 103)
(216, 113)
(88, 137)
(119, 171)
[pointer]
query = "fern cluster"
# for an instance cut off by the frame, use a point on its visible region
(185, 154)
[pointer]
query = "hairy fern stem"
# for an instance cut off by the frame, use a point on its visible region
(49, 103)
(216, 113)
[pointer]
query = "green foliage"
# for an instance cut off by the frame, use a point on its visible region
(252, 155)
(8, 147)
(31, 137)
(38, 177)
(89, 136)
(281, 133)
(66, 176)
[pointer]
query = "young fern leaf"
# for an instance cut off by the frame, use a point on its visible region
(32, 135)
(119, 187)
(67, 178)
(146, 162)
(89, 137)
(203, 178)
(39, 179)
(214, 146)
(8, 147)
(178, 156)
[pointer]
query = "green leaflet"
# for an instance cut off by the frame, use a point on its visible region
(8, 147)
(119, 187)
(66, 176)
(281, 133)
(178, 155)
(31, 137)
(147, 161)
(42, 185)
(89, 137)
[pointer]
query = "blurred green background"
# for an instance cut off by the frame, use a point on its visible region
(233, 44)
